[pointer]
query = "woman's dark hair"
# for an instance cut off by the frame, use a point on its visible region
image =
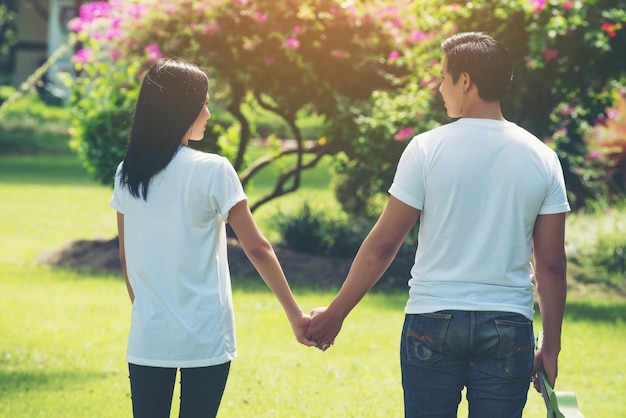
(170, 99)
(484, 58)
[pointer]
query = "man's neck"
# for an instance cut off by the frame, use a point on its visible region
(481, 109)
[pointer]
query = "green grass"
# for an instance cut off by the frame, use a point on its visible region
(63, 334)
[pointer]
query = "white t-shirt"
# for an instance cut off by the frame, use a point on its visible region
(480, 184)
(175, 245)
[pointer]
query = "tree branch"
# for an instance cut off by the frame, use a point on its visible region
(279, 189)
(267, 160)
(238, 93)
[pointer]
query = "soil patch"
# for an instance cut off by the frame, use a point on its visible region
(301, 269)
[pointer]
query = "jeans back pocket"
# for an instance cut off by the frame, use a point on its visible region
(423, 336)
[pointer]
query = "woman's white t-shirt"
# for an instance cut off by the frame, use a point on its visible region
(480, 185)
(175, 245)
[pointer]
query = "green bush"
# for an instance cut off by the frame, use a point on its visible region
(314, 231)
(104, 140)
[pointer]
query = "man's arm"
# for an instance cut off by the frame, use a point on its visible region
(551, 281)
(376, 253)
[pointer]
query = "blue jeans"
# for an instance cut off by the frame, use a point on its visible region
(490, 353)
(201, 390)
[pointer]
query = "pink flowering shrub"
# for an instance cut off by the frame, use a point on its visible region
(289, 56)
(606, 143)
(371, 69)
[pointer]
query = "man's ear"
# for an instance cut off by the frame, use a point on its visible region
(466, 79)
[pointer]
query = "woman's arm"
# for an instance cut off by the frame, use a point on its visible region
(120, 234)
(261, 254)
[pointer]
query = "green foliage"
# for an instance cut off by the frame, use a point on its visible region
(102, 106)
(316, 231)
(97, 146)
(566, 60)
(356, 196)
(8, 34)
(30, 126)
(603, 170)
(345, 62)
(286, 57)
(596, 244)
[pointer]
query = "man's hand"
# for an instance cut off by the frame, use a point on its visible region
(324, 328)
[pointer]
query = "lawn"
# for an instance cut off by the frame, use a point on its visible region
(63, 333)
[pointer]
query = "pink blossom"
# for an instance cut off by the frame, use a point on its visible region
(260, 17)
(418, 36)
(296, 29)
(292, 43)
(268, 60)
(566, 109)
(393, 56)
(82, 56)
(211, 28)
(428, 81)
(153, 52)
(550, 54)
(338, 53)
(135, 11)
(404, 134)
(94, 10)
(567, 5)
(595, 155)
(75, 25)
(116, 54)
(538, 5)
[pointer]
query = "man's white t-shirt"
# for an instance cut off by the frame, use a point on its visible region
(480, 184)
(175, 244)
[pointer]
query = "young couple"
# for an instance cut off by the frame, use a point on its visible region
(486, 192)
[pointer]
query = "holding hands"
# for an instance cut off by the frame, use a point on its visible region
(323, 328)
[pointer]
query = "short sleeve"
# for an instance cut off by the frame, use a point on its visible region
(408, 183)
(118, 198)
(556, 199)
(225, 189)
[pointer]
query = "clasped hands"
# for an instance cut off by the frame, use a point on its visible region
(318, 329)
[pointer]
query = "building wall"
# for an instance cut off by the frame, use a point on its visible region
(32, 45)
(39, 37)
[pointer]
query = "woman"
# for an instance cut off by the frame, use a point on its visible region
(172, 205)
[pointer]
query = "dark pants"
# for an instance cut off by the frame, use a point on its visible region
(201, 390)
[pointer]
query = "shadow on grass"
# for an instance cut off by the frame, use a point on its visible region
(61, 170)
(12, 382)
(612, 312)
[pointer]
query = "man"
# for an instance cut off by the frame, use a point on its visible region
(487, 193)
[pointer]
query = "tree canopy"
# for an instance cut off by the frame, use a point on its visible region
(370, 69)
